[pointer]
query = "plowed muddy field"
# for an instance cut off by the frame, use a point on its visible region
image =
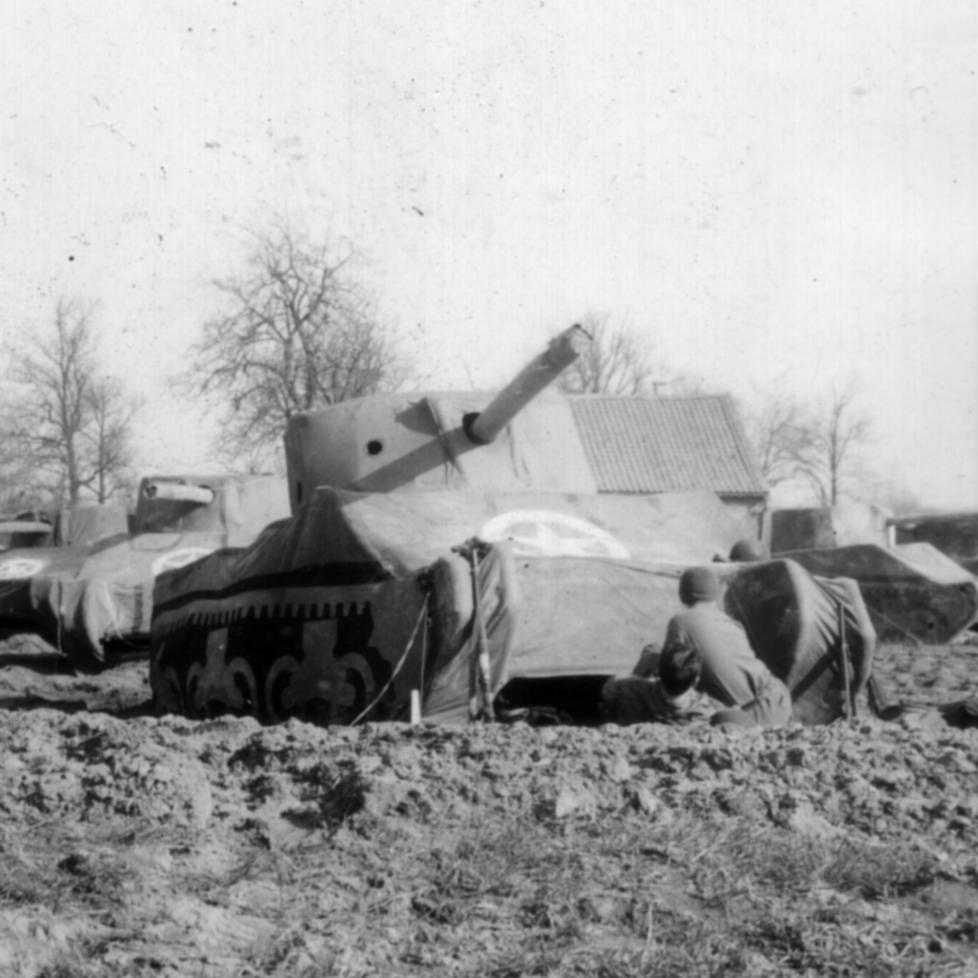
(132, 844)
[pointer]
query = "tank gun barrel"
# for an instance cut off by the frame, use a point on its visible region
(543, 370)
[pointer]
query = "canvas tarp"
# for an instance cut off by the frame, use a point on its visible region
(804, 629)
(85, 525)
(81, 597)
(580, 595)
(585, 616)
(409, 530)
(794, 622)
(334, 643)
(913, 592)
(19, 569)
(325, 615)
(105, 594)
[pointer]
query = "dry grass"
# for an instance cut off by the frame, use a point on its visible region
(522, 896)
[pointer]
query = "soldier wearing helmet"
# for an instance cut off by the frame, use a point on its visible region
(704, 640)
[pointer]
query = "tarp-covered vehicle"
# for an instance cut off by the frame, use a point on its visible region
(81, 525)
(25, 530)
(450, 551)
(914, 590)
(95, 594)
(954, 534)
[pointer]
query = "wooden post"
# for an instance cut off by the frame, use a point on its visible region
(850, 707)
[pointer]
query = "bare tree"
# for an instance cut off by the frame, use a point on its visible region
(615, 362)
(71, 428)
(837, 433)
(18, 489)
(780, 433)
(297, 333)
(107, 436)
(820, 446)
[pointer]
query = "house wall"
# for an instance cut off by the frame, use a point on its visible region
(749, 512)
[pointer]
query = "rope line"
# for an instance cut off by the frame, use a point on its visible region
(422, 617)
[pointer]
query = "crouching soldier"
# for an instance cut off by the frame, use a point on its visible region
(705, 639)
(656, 695)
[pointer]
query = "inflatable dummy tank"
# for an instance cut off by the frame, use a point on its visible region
(914, 592)
(94, 595)
(447, 556)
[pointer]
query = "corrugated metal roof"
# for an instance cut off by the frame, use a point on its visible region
(667, 444)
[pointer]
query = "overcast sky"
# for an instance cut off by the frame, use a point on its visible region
(771, 192)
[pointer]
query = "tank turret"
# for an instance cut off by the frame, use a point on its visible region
(514, 439)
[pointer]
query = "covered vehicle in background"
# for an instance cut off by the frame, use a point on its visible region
(86, 524)
(81, 525)
(448, 556)
(954, 534)
(914, 591)
(25, 530)
(94, 594)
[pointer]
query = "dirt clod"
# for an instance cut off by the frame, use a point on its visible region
(135, 845)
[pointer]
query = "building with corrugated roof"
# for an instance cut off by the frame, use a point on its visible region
(672, 444)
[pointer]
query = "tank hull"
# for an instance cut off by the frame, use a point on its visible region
(363, 603)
